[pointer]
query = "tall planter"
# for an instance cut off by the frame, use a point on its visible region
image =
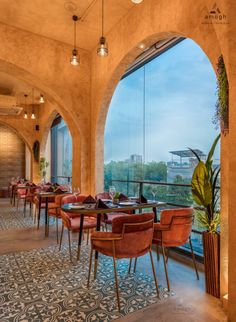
(211, 247)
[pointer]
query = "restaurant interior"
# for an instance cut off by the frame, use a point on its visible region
(105, 214)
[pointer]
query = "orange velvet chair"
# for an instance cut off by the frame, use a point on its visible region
(174, 230)
(20, 194)
(72, 221)
(131, 237)
(54, 210)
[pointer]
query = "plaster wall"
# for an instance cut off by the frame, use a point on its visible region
(82, 95)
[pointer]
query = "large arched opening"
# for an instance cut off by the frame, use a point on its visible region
(163, 105)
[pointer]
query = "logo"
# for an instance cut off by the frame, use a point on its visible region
(215, 16)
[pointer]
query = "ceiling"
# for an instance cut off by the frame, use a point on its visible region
(9, 85)
(53, 18)
(12, 91)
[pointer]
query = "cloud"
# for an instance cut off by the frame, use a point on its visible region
(180, 96)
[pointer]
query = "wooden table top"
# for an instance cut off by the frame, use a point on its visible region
(91, 209)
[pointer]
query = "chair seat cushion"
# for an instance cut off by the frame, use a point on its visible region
(89, 223)
(110, 216)
(54, 212)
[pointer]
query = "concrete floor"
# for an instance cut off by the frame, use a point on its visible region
(190, 303)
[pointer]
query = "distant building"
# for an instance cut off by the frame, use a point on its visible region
(182, 164)
(136, 158)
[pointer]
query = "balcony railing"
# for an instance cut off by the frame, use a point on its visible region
(62, 179)
(174, 194)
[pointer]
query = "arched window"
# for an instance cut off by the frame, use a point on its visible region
(160, 109)
(61, 152)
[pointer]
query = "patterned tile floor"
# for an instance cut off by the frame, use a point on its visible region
(10, 218)
(43, 285)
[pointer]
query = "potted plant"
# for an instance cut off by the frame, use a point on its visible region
(43, 168)
(206, 194)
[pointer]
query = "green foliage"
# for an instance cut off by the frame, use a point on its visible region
(123, 170)
(43, 167)
(222, 104)
(205, 192)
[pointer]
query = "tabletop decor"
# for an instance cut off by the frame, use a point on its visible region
(206, 194)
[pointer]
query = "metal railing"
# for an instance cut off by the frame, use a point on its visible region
(67, 180)
(179, 191)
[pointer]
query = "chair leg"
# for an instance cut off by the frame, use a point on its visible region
(154, 273)
(87, 236)
(57, 229)
(17, 204)
(90, 266)
(130, 264)
(193, 257)
(167, 255)
(166, 272)
(95, 266)
(62, 230)
(69, 244)
(158, 255)
(135, 263)
(116, 281)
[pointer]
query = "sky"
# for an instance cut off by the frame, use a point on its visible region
(167, 105)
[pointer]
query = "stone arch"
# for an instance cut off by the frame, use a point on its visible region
(76, 142)
(57, 104)
(109, 89)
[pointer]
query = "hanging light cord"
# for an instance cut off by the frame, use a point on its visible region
(75, 33)
(33, 100)
(102, 18)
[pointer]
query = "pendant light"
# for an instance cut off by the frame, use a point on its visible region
(137, 1)
(75, 56)
(25, 114)
(102, 49)
(41, 99)
(33, 117)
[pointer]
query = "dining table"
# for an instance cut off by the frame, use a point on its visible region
(92, 209)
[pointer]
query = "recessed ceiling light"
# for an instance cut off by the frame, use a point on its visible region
(141, 46)
(136, 1)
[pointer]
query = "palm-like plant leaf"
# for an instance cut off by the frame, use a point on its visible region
(201, 187)
(211, 152)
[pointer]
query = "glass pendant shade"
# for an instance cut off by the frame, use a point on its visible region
(33, 116)
(25, 115)
(137, 1)
(41, 100)
(74, 58)
(102, 49)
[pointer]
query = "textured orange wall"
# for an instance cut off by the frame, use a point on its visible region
(82, 95)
